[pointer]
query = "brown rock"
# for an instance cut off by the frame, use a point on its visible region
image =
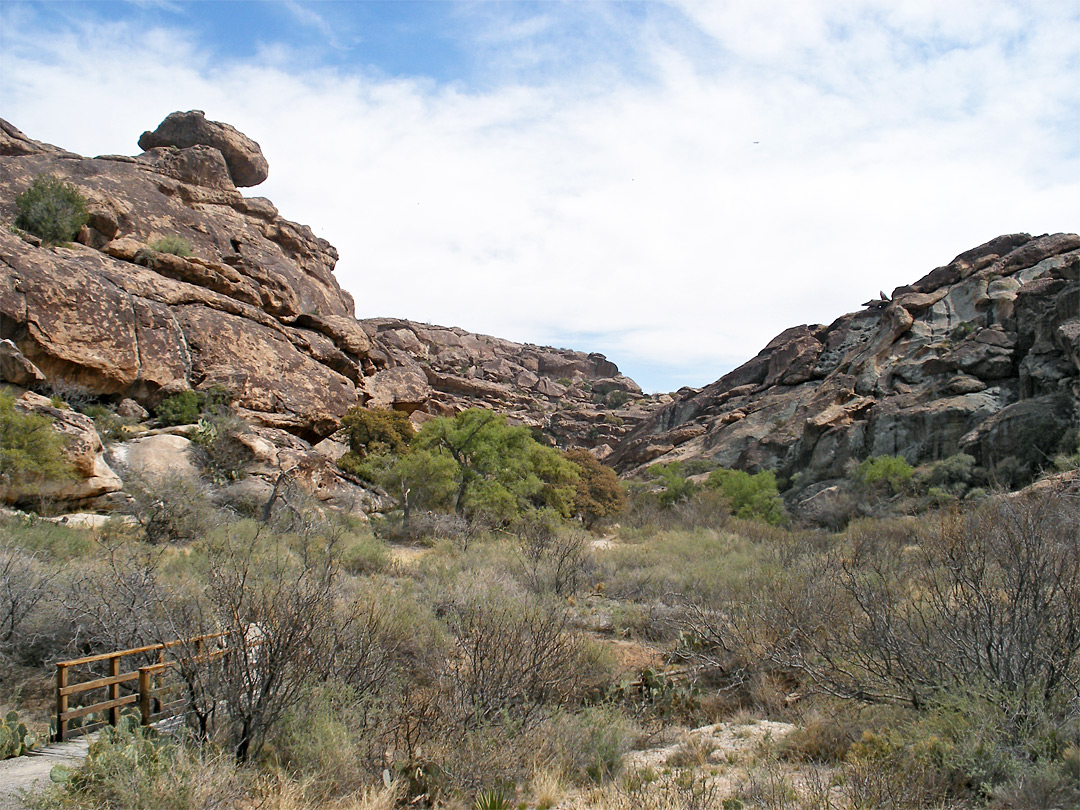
(243, 156)
(15, 368)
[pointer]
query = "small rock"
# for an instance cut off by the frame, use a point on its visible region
(130, 409)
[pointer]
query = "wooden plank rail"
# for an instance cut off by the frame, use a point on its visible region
(147, 695)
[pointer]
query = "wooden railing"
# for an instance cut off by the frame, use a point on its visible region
(151, 691)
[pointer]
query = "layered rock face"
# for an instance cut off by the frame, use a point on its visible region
(578, 399)
(255, 308)
(981, 356)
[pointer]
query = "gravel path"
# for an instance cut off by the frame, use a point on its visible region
(21, 775)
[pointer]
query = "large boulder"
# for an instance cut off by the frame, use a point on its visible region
(243, 156)
(254, 307)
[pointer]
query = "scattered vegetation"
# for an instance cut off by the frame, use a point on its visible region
(51, 209)
(519, 661)
(173, 243)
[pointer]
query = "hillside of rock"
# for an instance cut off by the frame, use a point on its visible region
(980, 356)
(253, 308)
(577, 399)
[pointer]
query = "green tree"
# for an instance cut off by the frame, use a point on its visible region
(31, 450)
(752, 496)
(498, 469)
(599, 493)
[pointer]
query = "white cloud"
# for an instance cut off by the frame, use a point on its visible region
(642, 213)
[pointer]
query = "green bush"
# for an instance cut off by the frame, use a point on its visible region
(753, 497)
(51, 209)
(179, 409)
(174, 244)
(892, 473)
(375, 431)
(31, 450)
(186, 407)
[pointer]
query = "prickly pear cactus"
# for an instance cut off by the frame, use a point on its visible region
(15, 738)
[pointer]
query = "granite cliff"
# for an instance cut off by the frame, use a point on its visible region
(980, 356)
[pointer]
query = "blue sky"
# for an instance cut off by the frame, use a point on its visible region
(670, 183)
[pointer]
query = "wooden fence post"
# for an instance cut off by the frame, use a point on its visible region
(61, 702)
(144, 694)
(114, 690)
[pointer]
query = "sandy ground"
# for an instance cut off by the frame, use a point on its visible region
(28, 774)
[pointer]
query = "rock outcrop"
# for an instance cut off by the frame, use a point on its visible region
(252, 308)
(981, 356)
(243, 156)
(255, 308)
(577, 399)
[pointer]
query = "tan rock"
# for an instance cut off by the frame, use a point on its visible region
(157, 457)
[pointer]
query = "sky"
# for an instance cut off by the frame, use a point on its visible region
(669, 183)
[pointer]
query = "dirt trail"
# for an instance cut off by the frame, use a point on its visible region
(29, 774)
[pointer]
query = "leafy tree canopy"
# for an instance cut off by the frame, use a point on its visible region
(31, 451)
(598, 493)
(499, 470)
(753, 497)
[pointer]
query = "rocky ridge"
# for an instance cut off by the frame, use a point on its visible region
(980, 356)
(254, 309)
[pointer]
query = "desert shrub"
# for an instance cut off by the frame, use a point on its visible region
(518, 655)
(674, 486)
(554, 560)
(51, 209)
(325, 741)
(823, 736)
(24, 583)
(889, 473)
(599, 494)
(751, 496)
(616, 398)
(173, 243)
(130, 766)
(109, 426)
(1012, 472)
(31, 450)
(361, 552)
(588, 745)
(224, 454)
(170, 509)
(179, 409)
(186, 407)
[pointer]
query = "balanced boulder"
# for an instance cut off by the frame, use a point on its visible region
(243, 156)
